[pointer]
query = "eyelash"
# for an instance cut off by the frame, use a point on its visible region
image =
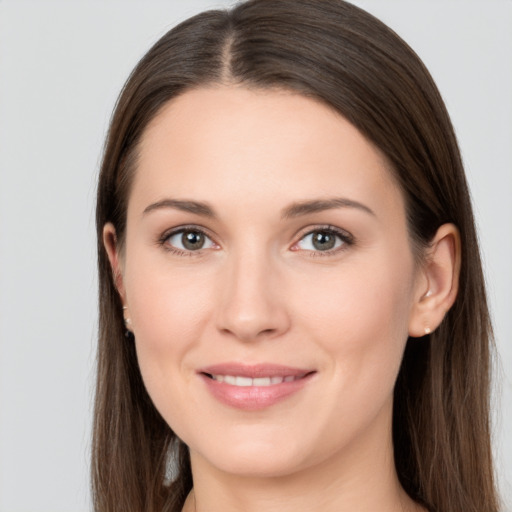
(179, 252)
(346, 238)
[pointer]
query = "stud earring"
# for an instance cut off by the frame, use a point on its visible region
(127, 323)
(127, 333)
(427, 330)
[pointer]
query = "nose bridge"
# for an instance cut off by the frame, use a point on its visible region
(251, 304)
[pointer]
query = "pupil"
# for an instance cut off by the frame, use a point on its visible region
(192, 240)
(323, 241)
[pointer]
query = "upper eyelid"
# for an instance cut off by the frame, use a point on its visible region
(187, 227)
(343, 233)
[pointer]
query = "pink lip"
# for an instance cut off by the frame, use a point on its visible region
(253, 398)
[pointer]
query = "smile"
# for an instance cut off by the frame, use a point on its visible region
(253, 387)
(258, 381)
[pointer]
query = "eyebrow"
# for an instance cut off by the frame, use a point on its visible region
(196, 207)
(320, 205)
(294, 210)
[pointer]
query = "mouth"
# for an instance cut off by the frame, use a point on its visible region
(254, 387)
(241, 381)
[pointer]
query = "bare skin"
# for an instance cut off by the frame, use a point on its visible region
(221, 264)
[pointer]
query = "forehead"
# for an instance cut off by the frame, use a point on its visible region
(224, 143)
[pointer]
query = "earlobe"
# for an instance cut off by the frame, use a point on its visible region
(111, 247)
(438, 289)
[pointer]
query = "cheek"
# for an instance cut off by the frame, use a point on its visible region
(359, 323)
(360, 319)
(169, 310)
(167, 299)
(168, 307)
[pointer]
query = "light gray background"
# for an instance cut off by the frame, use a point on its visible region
(61, 67)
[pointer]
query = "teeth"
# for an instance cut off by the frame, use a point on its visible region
(243, 381)
(229, 379)
(261, 381)
(247, 381)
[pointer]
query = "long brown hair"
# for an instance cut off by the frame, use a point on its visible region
(338, 53)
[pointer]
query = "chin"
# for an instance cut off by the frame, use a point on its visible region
(257, 465)
(255, 459)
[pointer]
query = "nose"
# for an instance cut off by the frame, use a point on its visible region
(252, 303)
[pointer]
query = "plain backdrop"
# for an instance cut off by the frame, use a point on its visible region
(62, 65)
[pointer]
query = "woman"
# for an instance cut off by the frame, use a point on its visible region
(292, 308)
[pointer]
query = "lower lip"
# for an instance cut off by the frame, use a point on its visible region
(253, 398)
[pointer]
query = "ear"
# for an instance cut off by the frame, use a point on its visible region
(438, 283)
(112, 248)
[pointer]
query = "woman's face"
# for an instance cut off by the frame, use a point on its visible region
(269, 280)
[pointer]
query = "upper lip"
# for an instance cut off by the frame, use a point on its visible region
(254, 370)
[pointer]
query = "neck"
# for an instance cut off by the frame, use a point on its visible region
(361, 477)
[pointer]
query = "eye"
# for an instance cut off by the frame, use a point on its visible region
(323, 240)
(186, 240)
